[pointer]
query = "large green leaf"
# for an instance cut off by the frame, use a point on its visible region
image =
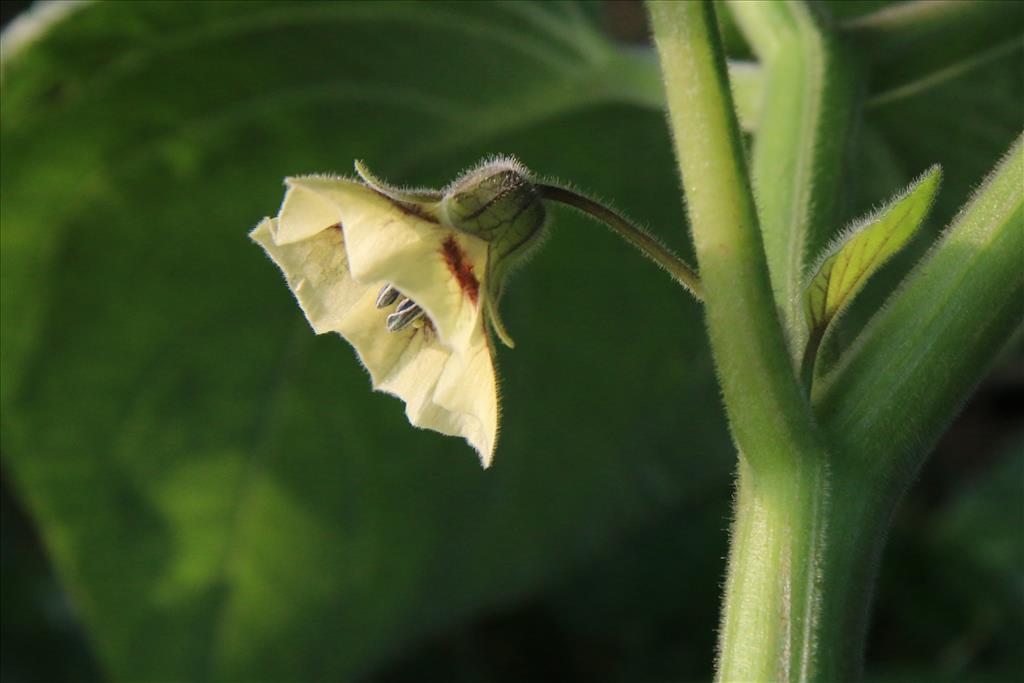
(218, 488)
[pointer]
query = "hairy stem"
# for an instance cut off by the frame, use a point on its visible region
(919, 357)
(770, 417)
(803, 561)
(805, 537)
(639, 238)
(810, 521)
(810, 107)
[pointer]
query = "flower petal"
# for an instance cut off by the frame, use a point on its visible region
(468, 388)
(304, 213)
(387, 242)
(454, 393)
(314, 270)
(450, 392)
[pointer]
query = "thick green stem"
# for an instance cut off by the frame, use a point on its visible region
(771, 598)
(639, 238)
(770, 417)
(810, 523)
(810, 108)
(803, 560)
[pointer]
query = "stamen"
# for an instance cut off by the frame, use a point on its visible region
(399, 320)
(405, 305)
(388, 295)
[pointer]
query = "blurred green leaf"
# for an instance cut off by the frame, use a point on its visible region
(914, 45)
(983, 522)
(218, 488)
(953, 585)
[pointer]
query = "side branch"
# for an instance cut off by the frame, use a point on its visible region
(639, 238)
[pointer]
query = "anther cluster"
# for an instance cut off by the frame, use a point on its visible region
(406, 312)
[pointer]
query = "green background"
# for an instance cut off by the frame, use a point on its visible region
(219, 494)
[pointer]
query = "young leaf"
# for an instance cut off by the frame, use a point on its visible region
(863, 249)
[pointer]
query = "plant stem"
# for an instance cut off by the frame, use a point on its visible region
(769, 415)
(803, 561)
(819, 534)
(809, 110)
(770, 593)
(639, 238)
(810, 524)
(804, 544)
(809, 359)
(896, 389)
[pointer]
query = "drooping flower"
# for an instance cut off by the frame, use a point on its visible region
(412, 280)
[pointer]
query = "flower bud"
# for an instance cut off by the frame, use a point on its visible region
(496, 202)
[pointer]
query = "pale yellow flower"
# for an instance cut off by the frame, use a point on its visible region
(341, 243)
(412, 278)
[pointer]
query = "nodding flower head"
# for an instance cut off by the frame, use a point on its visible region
(411, 278)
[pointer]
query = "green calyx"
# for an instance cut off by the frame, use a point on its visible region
(499, 203)
(496, 202)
